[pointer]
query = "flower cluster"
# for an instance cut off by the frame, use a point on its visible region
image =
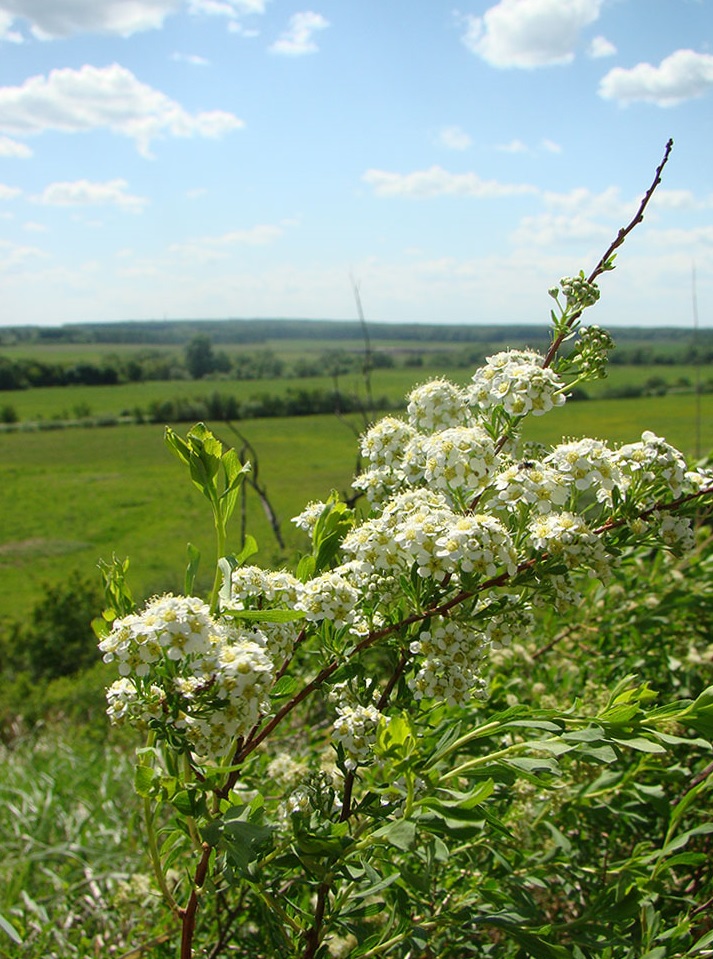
(449, 655)
(516, 382)
(355, 731)
(209, 680)
(578, 292)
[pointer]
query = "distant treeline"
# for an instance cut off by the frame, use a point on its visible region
(180, 332)
(256, 331)
(199, 360)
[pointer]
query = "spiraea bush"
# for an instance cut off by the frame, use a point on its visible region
(447, 732)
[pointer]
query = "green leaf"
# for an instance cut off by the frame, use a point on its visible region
(194, 558)
(266, 615)
(285, 686)
(399, 832)
(600, 754)
(243, 843)
(10, 930)
(382, 883)
(145, 779)
(249, 549)
(639, 743)
(305, 568)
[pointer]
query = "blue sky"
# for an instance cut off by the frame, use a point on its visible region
(251, 158)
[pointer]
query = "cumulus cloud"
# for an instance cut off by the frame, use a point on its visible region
(601, 47)
(208, 248)
(578, 215)
(227, 8)
(14, 257)
(52, 19)
(517, 146)
(49, 19)
(454, 138)
(681, 76)
(11, 148)
(439, 182)
(192, 58)
(298, 40)
(513, 146)
(88, 193)
(8, 192)
(110, 98)
(530, 33)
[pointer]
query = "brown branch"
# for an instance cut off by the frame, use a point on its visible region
(603, 264)
(189, 913)
(313, 933)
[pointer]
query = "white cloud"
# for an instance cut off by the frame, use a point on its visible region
(692, 239)
(110, 98)
(13, 257)
(209, 248)
(601, 47)
(578, 216)
(227, 8)
(52, 19)
(6, 31)
(514, 146)
(8, 192)
(298, 38)
(454, 138)
(86, 193)
(681, 76)
(439, 182)
(530, 33)
(549, 229)
(11, 148)
(32, 227)
(192, 58)
(48, 19)
(517, 146)
(581, 201)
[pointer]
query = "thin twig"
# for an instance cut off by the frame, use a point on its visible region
(604, 263)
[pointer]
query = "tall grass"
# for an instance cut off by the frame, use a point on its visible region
(72, 872)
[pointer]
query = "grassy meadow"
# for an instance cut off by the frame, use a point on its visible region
(70, 497)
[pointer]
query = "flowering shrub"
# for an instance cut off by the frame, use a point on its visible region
(321, 741)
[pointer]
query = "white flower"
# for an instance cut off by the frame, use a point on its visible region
(355, 730)
(331, 597)
(307, 519)
(567, 537)
(384, 443)
(458, 458)
(588, 464)
(436, 406)
(653, 467)
(516, 381)
(531, 484)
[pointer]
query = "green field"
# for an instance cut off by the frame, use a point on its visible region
(70, 497)
(72, 402)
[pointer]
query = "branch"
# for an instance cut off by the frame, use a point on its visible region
(605, 262)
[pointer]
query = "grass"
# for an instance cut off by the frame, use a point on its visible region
(73, 857)
(71, 497)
